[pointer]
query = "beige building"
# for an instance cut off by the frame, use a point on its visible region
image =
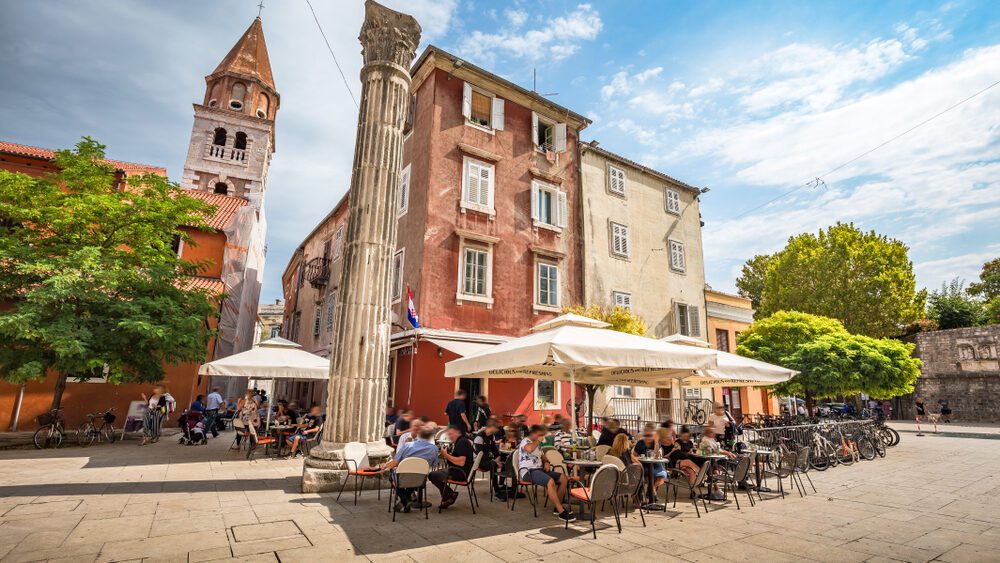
(643, 251)
(271, 316)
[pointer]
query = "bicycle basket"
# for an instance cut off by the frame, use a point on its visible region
(109, 417)
(45, 419)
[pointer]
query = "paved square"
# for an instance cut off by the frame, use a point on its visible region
(932, 498)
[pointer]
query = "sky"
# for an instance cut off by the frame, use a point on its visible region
(749, 99)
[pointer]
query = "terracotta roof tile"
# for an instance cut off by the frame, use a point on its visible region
(130, 168)
(225, 207)
(249, 57)
(214, 286)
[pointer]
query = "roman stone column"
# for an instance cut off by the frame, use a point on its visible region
(358, 385)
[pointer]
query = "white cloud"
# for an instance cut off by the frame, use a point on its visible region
(966, 266)
(556, 39)
(434, 16)
(622, 83)
(516, 18)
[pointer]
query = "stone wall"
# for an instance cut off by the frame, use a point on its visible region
(960, 366)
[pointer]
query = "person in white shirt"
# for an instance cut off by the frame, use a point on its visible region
(563, 439)
(535, 469)
(213, 403)
(406, 437)
(718, 420)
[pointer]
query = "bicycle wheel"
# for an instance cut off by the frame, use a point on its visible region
(895, 436)
(700, 417)
(845, 454)
(108, 432)
(818, 458)
(86, 434)
(879, 446)
(47, 436)
(866, 448)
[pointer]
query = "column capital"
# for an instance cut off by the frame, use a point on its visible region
(388, 36)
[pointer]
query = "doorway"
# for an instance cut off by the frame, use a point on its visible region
(473, 388)
(731, 398)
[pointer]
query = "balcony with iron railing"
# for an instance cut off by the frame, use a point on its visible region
(318, 271)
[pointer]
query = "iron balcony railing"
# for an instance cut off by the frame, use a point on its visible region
(318, 271)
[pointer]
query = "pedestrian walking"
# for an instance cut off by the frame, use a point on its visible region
(213, 404)
(246, 410)
(945, 410)
(921, 409)
(457, 412)
(158, 404)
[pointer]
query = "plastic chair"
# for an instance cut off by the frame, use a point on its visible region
(356, 459)
(602, 450)
(616, 461)
(603, 486)
(469, 482)
(411, 473)
(241, 430)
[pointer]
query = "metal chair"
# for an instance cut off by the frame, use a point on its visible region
(411, 473)
(356, 459)
(732, 480)
(603, 486)
(469, 482)
(679, 478)
(784, 470)
(522, 483)
(802, 467)
(631, 485)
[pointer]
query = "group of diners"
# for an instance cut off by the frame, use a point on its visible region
(451, 452)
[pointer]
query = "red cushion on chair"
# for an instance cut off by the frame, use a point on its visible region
(525, 483)
(266, 440)
(581, 493)
(366, 472)
(453, 482)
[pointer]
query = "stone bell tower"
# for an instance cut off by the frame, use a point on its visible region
(233, 135)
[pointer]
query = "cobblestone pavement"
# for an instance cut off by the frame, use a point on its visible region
(932, 498)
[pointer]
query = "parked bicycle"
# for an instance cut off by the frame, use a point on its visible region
(98, 428)
(694, 413)
(51, 433)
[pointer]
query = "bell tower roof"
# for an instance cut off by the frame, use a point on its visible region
(248, 57)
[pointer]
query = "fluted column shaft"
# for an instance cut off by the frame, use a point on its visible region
(360, 352)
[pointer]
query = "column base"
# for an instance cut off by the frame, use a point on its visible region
(325, 469)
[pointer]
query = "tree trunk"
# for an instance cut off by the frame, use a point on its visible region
(57, 393)
(809, 402)
(591, 390)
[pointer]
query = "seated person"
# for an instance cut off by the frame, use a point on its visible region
(422, 447)
(460, 455)
(612, 428)
(312, 424)
(402, 425)
(535, 468)
(564, 439)
(556, 422)
(677, 457)
(518, 427)
(415, 427)
(710, 445)
(485, 441)
(669, 426)
(622, 449)
(650, 444)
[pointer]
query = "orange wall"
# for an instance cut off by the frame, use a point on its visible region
(210, 246)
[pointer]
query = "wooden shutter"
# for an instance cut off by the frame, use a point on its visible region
(673, 202)
(471, 192)
(677, 255)
(497, 114)
(534, 129)
(535, 201)
(694, 321)
(467, 100)
(616, 180)
(404, 190)
(486, 186)
(562, 210)
(559, 138)
(625, 242)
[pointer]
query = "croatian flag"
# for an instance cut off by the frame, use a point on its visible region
(411, 311)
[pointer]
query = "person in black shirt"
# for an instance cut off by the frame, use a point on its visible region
(460, 455)
(402, 425)
(483, 413)
(487, 441)
(311, 424)
(457, 412)
(611, 429)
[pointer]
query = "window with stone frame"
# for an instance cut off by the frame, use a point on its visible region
(673, 201)
(619, 240)
(547, 284)
(622, 299)
(475, 270)
(397, 274)
(616, 180)
(677, 260)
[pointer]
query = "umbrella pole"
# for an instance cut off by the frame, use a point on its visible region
(572, 399)
(270, 403)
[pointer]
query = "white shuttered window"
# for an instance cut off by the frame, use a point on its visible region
(619, 240)
(616, 180)
(477, 185)
(548, 205)
(673, 202)
(687, 319)
(622, 299)
(677, 256)
(404, 192)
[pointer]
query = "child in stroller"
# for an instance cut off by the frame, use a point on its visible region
(193, 425)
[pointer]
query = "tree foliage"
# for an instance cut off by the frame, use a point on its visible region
(621, 320)
(988, 289)
(953, 307)
(92, 283)
(832, 362)
(863, 279)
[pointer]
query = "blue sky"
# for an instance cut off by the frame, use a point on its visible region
(750, 99)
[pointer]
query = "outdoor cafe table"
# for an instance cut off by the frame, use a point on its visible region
(648, 465)
(279, 437)
(758, 470)
(713, 459)
(584, 464)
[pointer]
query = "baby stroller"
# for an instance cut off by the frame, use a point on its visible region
(193, 425)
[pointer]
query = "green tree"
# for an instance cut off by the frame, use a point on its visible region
(953, 307)
(93, 284)
(620, 319)
(831, 361)
(750, 284)
(863, 279)
(988, 288)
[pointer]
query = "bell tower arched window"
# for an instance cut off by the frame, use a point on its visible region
(239, 92)
(221, 188)
(262, 104)
(220, 137)
(241, 141)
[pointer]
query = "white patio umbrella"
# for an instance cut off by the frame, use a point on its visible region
(732, 370)
(272, 359)
(578, 350)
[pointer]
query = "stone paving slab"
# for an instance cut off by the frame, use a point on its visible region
(930, 499)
